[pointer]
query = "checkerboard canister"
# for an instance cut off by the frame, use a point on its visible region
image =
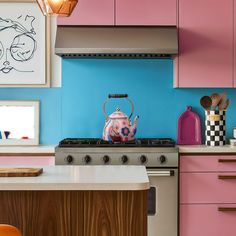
(215, 128)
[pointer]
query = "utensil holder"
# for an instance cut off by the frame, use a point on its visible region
(215, 128)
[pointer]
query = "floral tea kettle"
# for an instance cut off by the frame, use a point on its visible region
(118, 127)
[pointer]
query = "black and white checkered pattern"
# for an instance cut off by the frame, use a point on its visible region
(215, 129)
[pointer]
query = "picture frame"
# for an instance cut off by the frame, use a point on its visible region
(20, 108)
(41, 73)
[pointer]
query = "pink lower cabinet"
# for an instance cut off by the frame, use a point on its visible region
(208, 220)
(146, 12)
(211, 187)
(23, 160)
(207, 163)
(91, 12)
(205, 44)
(207, 195)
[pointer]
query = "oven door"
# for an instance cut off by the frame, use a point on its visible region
(163, 202)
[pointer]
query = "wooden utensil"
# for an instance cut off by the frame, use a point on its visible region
(226, 104)
(20, 172)
(206, 102)
(222, 101)
(216, 98)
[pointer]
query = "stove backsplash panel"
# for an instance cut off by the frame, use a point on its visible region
(75, 110)
(149, 84)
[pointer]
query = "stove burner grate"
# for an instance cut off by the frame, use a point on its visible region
(95, 142)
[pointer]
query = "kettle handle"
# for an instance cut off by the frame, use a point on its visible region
(117, 96)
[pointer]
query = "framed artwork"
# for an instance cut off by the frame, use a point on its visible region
(24, 45)
(19, 122)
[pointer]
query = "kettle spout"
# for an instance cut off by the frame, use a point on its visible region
(135, 125)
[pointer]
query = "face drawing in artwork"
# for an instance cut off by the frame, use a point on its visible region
(17, 44)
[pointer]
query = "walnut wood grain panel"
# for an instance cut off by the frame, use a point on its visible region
(75, 213)
(113, 213)
(39, 213)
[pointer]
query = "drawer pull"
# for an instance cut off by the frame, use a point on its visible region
(226, 176)
(225, 209)
(227, 160)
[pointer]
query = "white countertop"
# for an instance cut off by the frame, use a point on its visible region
(206, 149)
(50, 149)
(81, 178)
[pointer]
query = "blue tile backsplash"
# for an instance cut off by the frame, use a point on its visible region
(75, 110)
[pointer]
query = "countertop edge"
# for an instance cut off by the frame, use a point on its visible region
(201, 149)
(41, 149)
(76, 187)
(50, 149)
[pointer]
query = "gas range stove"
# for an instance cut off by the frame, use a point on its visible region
(150, 152)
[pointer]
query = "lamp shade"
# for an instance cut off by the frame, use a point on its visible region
(57, 7)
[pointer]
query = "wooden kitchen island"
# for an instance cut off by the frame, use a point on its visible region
(77, 201)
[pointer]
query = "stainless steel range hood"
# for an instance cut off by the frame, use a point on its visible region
(116, 42)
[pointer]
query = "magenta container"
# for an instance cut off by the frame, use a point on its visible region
(189, 128)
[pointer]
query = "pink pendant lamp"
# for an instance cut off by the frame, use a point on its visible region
(57, 7)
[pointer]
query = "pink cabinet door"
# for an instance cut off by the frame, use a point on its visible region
(91, 12)
(207, 220)
(27, 160)
(192, 163)
(215, 187)
(146, 12)
(205, 43)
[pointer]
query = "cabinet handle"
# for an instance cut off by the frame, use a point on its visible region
(227, 160)
(153, 173)
(226, 209)
(226, 176)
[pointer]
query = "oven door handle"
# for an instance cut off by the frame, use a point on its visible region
(161, 173)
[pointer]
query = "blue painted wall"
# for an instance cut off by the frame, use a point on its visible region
(75, 110)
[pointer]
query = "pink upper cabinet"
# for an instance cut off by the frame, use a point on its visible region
(146, 12)
(91, 12)
(206, 43)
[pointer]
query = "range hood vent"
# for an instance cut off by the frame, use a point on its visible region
(116, 42)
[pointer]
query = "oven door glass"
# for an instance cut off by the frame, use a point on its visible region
(152, 201)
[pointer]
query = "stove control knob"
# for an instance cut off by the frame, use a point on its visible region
(162, 159)
(69, 159)
(143, 159)
(87, 159)
(106, 159)
(124, 159)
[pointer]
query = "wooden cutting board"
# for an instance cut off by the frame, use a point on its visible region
(20, 172)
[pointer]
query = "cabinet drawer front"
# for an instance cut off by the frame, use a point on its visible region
(208, 187)
(207, 163)
(206, 220)
(27, 160)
